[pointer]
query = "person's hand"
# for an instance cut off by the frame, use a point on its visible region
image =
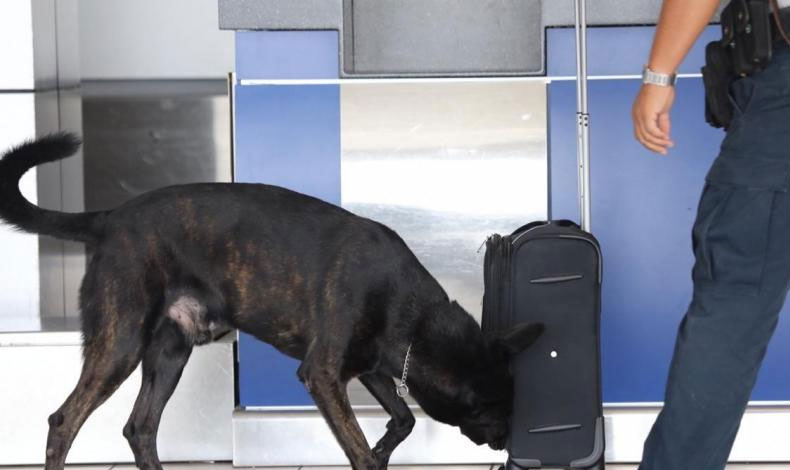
(651, 117)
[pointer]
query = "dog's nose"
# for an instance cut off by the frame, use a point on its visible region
(498, 444)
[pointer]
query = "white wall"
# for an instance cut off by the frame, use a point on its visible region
(122, 39)
(16, 45)
(19, 281)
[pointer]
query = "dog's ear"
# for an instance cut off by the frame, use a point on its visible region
(519, 338)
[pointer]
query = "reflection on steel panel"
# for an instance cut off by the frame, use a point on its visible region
(143, 136)
(445, 164)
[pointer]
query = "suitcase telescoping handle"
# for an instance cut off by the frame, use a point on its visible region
(582, 117)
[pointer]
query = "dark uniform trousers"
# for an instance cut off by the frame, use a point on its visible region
(741, 241)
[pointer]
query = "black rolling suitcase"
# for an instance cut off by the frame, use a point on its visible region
(550, 272)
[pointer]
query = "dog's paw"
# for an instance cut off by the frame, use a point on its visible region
(382, 457)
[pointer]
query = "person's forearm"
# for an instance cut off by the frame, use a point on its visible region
(680, 24)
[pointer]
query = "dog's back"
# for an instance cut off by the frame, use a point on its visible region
(275, 263)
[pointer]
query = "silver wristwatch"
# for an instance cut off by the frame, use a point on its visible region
(661, 79)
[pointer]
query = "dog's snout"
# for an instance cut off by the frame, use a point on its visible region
(499, 444)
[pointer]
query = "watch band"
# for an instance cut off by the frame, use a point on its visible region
(661, 79)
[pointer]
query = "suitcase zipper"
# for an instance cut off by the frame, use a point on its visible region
(526, 232)
(504, 274)
(496, 264)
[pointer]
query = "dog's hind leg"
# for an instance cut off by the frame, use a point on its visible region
(109, 357)
(323, 381)
(163, 361)
(399, 427)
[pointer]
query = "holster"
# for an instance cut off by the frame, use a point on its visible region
(745, 48)
(747, 35)
(717, 74)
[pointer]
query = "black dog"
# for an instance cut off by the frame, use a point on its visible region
(178, 266)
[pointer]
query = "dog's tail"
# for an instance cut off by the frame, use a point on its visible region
(19, 212)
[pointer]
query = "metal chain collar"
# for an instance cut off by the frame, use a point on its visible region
(402, 389)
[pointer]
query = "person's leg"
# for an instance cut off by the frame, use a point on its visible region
(718, 352)
(741, 276)
(740, 284)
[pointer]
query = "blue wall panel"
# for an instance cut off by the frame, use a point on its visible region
(289, 135)
(286, 135)
(287, 54)
(643, 207)
(615, 50)
(266, 377)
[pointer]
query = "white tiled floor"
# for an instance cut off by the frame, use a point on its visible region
(228, 466)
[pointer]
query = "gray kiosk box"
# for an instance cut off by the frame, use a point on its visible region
(415, 38)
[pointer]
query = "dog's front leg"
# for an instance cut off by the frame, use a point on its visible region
(329, 394)
(399, 427)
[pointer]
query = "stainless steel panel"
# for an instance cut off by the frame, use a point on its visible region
(445, 164)
(73, 200)
(140, 137)
(49, 186)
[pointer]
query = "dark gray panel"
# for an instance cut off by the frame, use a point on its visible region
(443, 37)
(326, 14)
(604, 12)
(280, 14)
(434, 37)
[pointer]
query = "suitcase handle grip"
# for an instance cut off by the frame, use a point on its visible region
(556, 279)
(555, 428)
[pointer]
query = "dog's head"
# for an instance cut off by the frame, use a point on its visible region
(468, 383)
(490, 390)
